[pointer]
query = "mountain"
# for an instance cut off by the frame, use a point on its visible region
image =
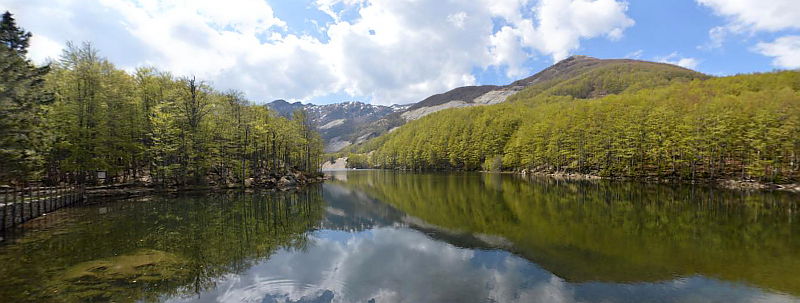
(740, 128)
(284, 108)
(339, 124)
(577, 76)
(580, 77)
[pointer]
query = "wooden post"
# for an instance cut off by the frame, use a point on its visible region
(30, 202)
(46, 201)
(22, 203)
(34, 193)
(14, 206)
(5, 210)
(48, 205)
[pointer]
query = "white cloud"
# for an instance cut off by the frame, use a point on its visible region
(717, 36)
(751, 16)
(556, 30)
(391, 52)
(507, 48)
(676, 59)
(757, 15)
(562, 23)
(45, 48)
(635, 54)
(785, 50)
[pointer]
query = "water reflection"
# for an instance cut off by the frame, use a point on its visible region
(609, 231)
(149, 248)
(376, 236)
(404, 265)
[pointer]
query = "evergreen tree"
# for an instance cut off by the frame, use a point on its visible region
(22, 97)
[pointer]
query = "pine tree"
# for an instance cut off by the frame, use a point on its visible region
(22, 95)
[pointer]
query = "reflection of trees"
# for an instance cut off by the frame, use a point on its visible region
(354, 211)
(612, 231)
(211, 235)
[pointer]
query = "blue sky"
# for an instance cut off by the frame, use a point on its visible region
(401, 51)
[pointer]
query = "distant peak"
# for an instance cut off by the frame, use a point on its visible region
(579, 57)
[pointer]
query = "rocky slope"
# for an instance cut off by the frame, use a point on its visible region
(340, 124)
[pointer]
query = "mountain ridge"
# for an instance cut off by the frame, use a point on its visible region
(578, 76)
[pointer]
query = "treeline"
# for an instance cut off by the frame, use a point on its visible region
(81, 115)
(740, 127)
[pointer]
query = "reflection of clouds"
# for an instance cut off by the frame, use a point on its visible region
(403, 265)
(389, 265)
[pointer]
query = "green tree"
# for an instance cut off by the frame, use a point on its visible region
(22, 97)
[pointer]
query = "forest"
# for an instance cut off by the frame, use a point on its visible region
(742, 127)
(81, 119)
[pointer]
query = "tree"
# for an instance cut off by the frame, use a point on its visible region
(22, 97)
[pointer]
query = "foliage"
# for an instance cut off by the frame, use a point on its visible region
(742, 127)
(22, 100)
(85, 115)
(153, 126)
(597, 78)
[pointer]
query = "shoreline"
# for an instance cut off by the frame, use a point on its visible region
(720, 183)
(123, 191)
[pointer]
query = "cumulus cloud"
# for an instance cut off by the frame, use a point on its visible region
(386, 50)
(757, 15)
(784, 50)
(751, 16)
(563, 23)
(676, 59)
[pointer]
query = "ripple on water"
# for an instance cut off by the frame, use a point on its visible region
(273, 289)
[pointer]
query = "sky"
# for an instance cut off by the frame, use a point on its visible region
(402, 51)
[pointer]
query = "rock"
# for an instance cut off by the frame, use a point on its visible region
(100, 279)
(286, 181)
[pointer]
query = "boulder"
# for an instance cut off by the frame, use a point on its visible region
(287, 181)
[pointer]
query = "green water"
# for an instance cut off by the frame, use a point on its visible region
(406, 237)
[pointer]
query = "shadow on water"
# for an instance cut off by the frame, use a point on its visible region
(152, 248)
(600, 231)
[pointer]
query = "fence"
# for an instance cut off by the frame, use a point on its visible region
(20, 204)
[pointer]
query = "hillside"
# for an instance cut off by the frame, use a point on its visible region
(580, 77)
(741, 127)
(577, 76)
(344, 124)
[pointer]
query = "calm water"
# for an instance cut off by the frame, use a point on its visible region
(377, 236)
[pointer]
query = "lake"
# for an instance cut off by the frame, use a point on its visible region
(383, 236)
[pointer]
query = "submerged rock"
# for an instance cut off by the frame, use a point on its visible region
(101, 279)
